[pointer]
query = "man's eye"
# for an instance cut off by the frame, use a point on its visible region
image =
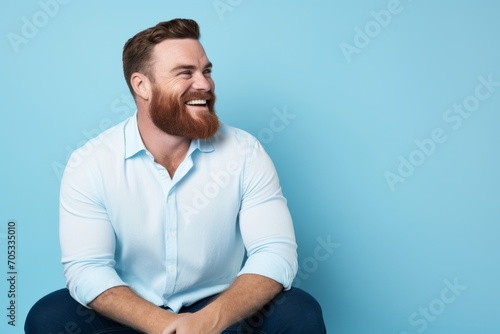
(186, 73)
(207, 72)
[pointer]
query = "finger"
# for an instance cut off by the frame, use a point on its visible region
(169, 330)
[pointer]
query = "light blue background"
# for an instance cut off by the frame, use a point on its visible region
(352, 119)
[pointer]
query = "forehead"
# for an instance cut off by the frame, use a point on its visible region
(174, 52)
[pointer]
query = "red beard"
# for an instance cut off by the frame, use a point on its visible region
(169, 113)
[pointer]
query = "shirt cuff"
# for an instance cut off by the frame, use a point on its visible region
(86, 288)
(272, 266)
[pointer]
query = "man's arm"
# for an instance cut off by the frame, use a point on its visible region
(88, 245)
(267, 231)
(248, 294)
(124, 306)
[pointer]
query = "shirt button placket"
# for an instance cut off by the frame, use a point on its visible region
(171, 243)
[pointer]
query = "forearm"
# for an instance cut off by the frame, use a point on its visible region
(247, 295)
(124, 306)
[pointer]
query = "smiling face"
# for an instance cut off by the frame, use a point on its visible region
(182, 100)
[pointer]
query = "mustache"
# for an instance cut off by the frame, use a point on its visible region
(188, 96)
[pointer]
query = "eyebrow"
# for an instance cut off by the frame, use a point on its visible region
(189, 67)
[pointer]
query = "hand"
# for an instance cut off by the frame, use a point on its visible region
(192, 323)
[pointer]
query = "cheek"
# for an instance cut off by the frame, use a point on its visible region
(178, 87)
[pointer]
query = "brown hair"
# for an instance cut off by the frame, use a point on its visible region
(137, 51)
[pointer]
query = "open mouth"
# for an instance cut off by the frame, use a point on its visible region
(198, 103)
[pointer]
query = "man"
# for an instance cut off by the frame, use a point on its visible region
(157, 212)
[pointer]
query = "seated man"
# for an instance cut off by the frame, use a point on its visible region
(158, 212)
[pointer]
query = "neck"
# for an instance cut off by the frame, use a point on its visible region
(167, 150)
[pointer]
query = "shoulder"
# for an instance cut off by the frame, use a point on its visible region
(234, 137)
(241, 146)
(108, 145)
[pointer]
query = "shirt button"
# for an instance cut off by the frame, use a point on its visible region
(171, 234)
(171, 269)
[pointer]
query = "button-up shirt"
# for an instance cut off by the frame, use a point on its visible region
(173, 241)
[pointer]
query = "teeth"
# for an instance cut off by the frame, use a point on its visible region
(194, 102)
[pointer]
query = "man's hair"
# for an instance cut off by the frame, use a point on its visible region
(137, 51)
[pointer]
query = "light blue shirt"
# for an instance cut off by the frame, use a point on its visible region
(124, 221)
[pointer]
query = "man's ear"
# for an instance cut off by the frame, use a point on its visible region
(141, 85)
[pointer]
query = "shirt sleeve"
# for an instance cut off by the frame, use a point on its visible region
(265, 222)
(86, 236)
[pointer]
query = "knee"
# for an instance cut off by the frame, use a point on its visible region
(36, 316)
(292, 312)
(304, 311)
(49, 314)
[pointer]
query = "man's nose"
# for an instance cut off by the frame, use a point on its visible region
(201, 82)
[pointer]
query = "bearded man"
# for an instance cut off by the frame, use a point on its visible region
(156, 221)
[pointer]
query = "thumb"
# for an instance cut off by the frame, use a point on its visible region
(170, 329)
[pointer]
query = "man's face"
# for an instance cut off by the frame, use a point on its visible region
(182, 101)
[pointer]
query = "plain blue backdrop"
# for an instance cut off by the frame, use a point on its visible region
(387, 152)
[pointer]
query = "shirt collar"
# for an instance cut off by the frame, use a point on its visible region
(134, 143)
(133, 140)
(204, 145)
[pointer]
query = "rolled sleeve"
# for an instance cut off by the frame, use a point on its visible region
(265, 223)
(86, 236)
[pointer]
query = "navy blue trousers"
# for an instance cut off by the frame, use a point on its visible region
(291, 312)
